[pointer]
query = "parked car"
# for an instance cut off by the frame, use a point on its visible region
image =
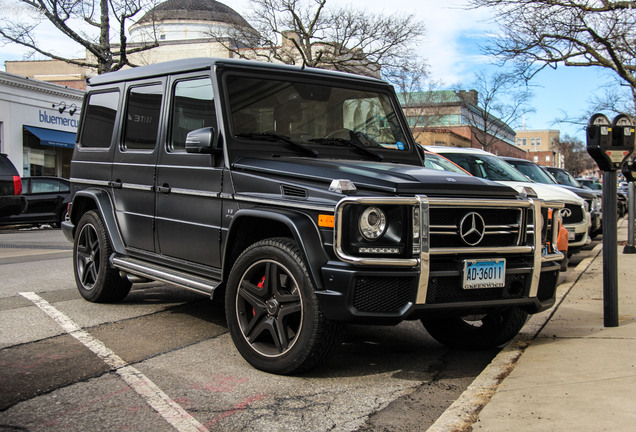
(593, 199)
(483, 164)
(565, 178)
(47, 200)
(11, 200)
(298, 196)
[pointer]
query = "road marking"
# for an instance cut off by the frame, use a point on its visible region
(171, 411)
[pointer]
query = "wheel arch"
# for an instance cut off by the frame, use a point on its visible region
(99, 201)
(275, 223)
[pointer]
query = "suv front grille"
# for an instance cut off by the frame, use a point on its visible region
(572, 213)
(502, 226)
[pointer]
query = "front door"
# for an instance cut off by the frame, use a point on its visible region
(188, 184)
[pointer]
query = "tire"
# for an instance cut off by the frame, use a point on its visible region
(272, 310)
(96, 280)
(484, 331)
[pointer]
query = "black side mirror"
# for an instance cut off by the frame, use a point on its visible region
(201, 140)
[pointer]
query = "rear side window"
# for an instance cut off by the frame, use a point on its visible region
(99, 119)
(143, 108)
(47, 185)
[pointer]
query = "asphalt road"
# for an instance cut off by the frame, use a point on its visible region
(163, 360)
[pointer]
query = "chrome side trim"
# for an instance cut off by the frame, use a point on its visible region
(193, 192)
(90, 182)
(284, 203)
(140, 187)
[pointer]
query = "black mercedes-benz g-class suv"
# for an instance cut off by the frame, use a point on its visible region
(299, 195)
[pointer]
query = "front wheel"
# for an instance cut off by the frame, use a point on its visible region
(272, 310)
(475, 332)
(95, 279)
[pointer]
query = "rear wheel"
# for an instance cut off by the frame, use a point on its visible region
(272, 310)
(475, 332)
(95, 279)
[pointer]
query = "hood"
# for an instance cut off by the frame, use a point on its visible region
(547, 192)
(400, 179)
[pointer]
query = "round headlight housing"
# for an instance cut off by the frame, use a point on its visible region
(372, 223)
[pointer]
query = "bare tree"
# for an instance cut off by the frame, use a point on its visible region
(310, 33)
(580, 33)
(576, 158)
(500, 105)
(99, 26)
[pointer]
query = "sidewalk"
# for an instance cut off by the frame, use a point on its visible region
(565, 371)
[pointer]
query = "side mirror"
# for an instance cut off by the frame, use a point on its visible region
(200, 140)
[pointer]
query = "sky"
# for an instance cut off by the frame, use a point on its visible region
(451, 47)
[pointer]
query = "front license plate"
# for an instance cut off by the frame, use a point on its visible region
(484, 273)
(571, 234)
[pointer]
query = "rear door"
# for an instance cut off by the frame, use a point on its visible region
(134, 164)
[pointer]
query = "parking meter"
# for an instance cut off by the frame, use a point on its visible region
(629, 170)
(610, 145)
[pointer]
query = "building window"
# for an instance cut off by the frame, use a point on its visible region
(538, 141)
(522, 142)
(536, 159)
(547, 158)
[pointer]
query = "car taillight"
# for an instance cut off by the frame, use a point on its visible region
(17, 185)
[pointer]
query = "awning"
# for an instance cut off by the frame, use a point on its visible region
(55, 138)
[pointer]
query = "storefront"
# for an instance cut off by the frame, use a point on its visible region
(38, 122)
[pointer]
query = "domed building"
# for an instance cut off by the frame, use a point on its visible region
(180, 20)
(184, 29)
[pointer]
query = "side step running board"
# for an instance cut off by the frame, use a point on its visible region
(155, 272)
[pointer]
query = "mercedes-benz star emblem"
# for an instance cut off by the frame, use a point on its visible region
(472, 228)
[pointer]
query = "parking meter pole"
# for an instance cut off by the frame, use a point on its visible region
(629, 247)
(610, 253)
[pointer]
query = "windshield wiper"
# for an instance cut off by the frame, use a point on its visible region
(271, 136)
(354, 141)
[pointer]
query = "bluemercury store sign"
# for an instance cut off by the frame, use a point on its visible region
(47, 118)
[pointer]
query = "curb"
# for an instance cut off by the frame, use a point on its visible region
(460, 416)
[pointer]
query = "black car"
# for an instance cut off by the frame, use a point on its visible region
(11, 200)
(47, 199)
(541, 174)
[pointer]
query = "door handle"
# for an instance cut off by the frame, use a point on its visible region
(162, 189)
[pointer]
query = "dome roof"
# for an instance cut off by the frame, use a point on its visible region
(196, 10)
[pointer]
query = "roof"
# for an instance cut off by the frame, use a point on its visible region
(202, 63)
(194, 10)
(429, 98)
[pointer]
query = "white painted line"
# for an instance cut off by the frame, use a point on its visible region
(171, 411)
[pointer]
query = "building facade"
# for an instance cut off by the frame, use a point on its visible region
(453, 118)
(38, 122)
(542, 146)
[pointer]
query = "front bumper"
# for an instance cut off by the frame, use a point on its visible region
(373, 290)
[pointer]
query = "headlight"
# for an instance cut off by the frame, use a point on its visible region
(372, 223)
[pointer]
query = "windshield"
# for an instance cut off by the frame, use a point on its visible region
(440, 163)
(564, 177)
(313, 119)
(486, 166)
(533, 171)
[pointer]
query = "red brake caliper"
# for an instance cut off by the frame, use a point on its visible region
(261, 284)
